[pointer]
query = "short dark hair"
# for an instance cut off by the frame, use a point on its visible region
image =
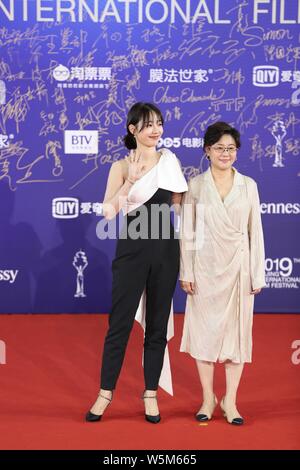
(139, 112)
(215, 131)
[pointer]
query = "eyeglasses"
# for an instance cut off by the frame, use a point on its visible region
(221, 149)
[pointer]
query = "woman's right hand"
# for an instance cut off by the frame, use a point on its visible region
(188, 287)
(135, 168)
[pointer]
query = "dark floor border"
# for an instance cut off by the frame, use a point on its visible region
(138, 458)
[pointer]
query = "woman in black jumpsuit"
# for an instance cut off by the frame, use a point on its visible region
(147, 256)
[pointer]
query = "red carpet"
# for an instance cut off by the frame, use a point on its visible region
(51, 379)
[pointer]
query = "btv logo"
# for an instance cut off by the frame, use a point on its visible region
(265, 75)
(79, 142)
(65, 208)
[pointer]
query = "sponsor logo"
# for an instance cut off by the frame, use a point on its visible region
(82, 77)
(265, 75)
(8, 275)
(270, 76)
(179, 76)
(65, 208)
(78, 142)
(280, 208)
(61, 73)
(168, 142)
(69, 208)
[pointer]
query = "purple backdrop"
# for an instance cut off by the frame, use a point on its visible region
(69, 71)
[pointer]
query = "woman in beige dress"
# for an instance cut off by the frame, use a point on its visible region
(222, 268)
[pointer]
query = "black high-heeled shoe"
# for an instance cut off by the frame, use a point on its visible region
(150, 418)
(236, 421)
(203, 417)
(91, 417)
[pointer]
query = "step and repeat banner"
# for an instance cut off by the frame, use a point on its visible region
(69, 72)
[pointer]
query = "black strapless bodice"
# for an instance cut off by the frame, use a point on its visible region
(151, 220)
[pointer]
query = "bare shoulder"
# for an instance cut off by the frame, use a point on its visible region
(114, 181)
(120, 166)
(119, 163)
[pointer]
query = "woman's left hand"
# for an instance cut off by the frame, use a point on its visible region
(188, 287)
(255, 291)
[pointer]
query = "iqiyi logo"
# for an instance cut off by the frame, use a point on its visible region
(65, 208)
(2, 352)
(265, 75)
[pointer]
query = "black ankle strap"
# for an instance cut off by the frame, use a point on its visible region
(106, 398)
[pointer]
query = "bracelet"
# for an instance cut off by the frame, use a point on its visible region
(131, 182)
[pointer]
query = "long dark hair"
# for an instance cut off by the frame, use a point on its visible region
(139, 112)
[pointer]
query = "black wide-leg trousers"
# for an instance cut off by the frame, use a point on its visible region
(140, 264)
